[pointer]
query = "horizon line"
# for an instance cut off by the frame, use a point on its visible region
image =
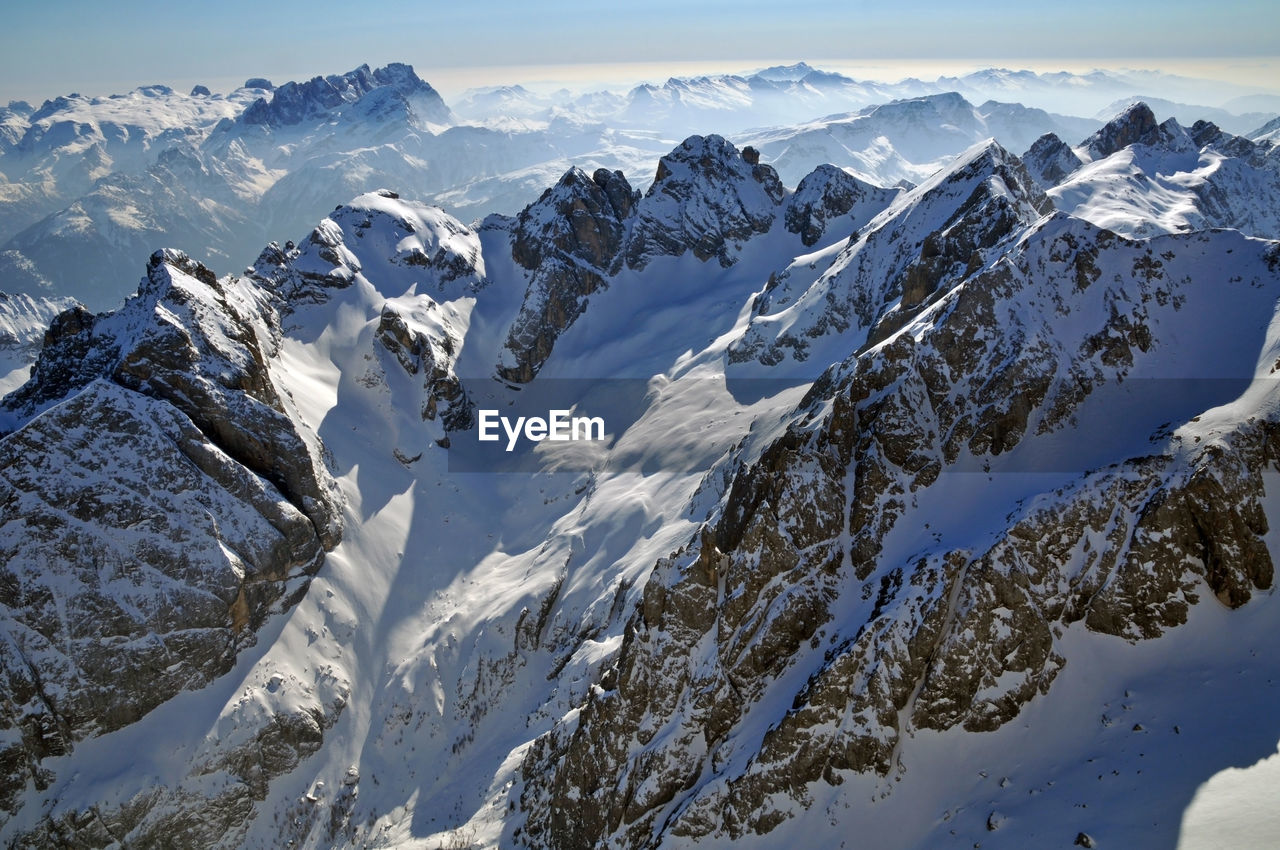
(1239, 72)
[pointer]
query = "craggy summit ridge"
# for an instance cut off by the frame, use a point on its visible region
(1000, 442)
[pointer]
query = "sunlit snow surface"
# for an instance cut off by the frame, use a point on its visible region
(417, 612)
(412, 622)
(436, 566)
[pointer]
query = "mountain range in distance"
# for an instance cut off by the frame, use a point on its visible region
(937, 500)
(92, 184)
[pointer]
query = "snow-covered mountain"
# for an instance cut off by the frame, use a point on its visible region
(1268, 132)
(54, 154)
(89, 186)
(23, 321)
(1137, 177)
(1237, 123)
(786, 94)
(87, 195)
(908, 140)
(941, 513)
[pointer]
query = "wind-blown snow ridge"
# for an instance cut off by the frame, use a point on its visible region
(1140, 178)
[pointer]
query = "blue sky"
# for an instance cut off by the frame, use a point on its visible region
(58, 46)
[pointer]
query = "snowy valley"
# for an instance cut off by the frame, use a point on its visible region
(937, 506)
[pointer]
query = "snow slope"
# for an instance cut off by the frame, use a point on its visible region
(944, 515)
(1139, 178)
(109, 178)
(23, 321)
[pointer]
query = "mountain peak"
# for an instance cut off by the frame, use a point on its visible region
(1269, 131)
(908, 256)
(161, 264)
(785, 73)
(1050, 160)
(710, 155)
(399, 243)
(569, 240)
(294, 103)
(581, 216)
(828, 194)
(1135, 124)
(705, 194)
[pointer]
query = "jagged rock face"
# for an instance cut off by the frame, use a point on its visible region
(907, 257)
(198, 813)
(707, 198)
(426, 345)
(1136, 125)
(129, 577)
(132, 575)
(827, 195)
(704, 198)
(581, 217)
(815, 576)
(189, 340)
(841, 592)
(1050, 160)
(1175, 179)
(293, 103)
(570, 240)
(295, 280)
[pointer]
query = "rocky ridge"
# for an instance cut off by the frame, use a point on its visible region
(1050, 160)
(569, 241)
(830, 199)
(705, 197)
(693, 657)
(132, 575)
(811, 578)
(293, 103)
(1176, 178)
(901, 261)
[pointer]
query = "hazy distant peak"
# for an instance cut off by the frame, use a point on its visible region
(293, 103)
(785, 73)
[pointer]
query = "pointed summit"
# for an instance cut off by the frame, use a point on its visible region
(400, 241)
(706, 196)
(925, 242)
(1136, 124)
(826, 196)
(569, 240)
(1050, 160)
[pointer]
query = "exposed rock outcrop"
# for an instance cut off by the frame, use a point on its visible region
(832, 202)
(162, 500)
(1050, 160)
(1136, 125)
(816, 578)
(907, 258)
(705, 199)
(404, 240)
(570, 240)
(425, 344)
